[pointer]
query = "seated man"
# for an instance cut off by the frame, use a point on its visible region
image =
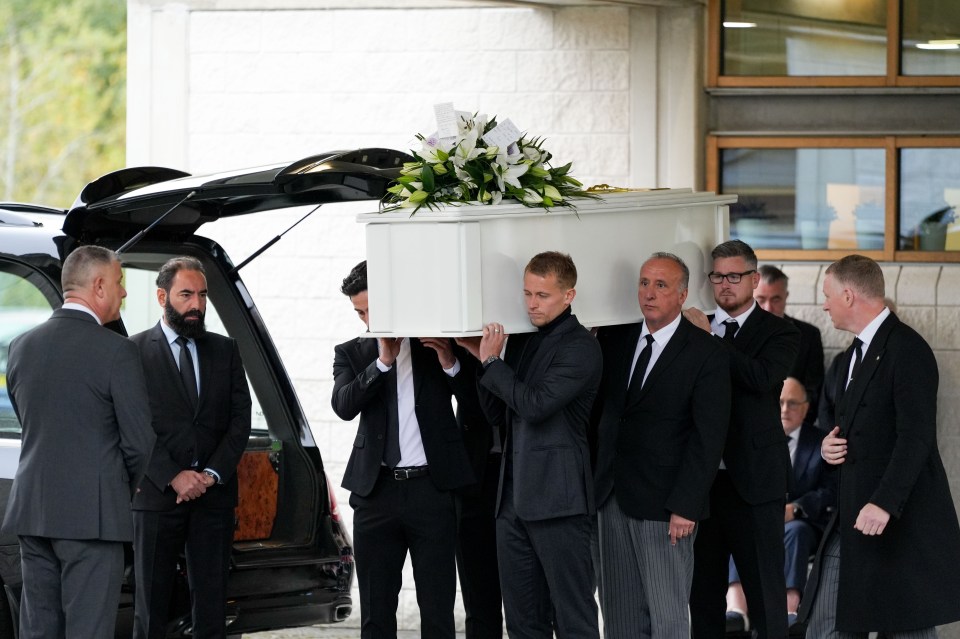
(813, 491)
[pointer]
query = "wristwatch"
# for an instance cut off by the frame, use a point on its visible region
(212, 476)
(490, 360)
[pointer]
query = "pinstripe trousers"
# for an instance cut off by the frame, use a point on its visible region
(823, 615)
(644, 581)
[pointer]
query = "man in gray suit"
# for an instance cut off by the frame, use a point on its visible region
(542, 393)
(79, 392)
(665, 401)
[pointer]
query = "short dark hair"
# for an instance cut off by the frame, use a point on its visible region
(860, 273)
(735, 248)
(685, 278)
(771, 274)
(173, 266)
(356, 282)
(78, 268)
(555, 263)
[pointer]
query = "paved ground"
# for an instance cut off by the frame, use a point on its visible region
(328, 632)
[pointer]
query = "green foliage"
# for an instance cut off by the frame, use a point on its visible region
(62, 96)
(17, 293)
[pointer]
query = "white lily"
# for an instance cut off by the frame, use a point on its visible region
(510, 174)
(465, 178)
(431, 146)
(531, 153)
(467, 149)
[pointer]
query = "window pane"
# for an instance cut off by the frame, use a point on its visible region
(929, 196)
(22, 306)
(806, 198)
(789, 38)
(931, 37)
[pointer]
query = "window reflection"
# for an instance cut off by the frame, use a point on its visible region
(929, 197)
(789, 38)
(931, 37)
(815, 198)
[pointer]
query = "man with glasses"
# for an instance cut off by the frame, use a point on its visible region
(812, 492)
(747, 496)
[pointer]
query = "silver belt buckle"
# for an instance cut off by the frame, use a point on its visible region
(401, 474)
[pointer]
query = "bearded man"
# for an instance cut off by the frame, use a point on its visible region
(201, 413)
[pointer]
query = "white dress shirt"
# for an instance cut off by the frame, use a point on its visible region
(660, 339)
(411, 444)
(866, 336)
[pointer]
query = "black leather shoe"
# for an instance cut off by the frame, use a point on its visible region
(737, 622)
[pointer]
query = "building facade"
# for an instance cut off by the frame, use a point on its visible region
(640, 94)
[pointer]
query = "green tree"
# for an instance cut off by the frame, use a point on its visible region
(62, 96)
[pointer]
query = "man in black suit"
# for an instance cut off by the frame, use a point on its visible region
(78, 390)
(542, 394)
(476, 518)
(665, 408)
(813, 492)
(890, 560)
(201, 414)
(771, 295)
(407, 458)
(747, 497)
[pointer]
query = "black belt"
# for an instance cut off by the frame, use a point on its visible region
(410, 472)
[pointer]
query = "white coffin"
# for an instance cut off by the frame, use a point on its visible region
(449, 272)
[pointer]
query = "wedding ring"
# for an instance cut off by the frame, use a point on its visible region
(496, 330)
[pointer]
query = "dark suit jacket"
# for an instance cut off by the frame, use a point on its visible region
(756, 452)
(476, 430)
(814, 487)
(359, 388)
(808, 367)
(908, 577)
(660, 451)
(215, 435)
(79, 392)
(826, 410)
(546, 418)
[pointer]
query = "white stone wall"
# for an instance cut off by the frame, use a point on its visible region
(273, 85)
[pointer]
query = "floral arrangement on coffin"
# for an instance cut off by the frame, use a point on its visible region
(467, 168)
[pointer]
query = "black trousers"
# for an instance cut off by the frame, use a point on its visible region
(547, 574)
(396, 517)
(753, 534)
(477, 555)
(206, 536)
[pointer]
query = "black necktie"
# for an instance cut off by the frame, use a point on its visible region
(640, 368)
(857, 358)
(391, 450)
(731, 330)
(187, 374)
